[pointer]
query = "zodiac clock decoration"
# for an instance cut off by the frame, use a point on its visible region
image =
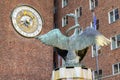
(26, 21)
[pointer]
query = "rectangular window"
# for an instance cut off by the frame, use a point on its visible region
(119, 67)
(113, 15)
(91, 24)
(97, 24)
(97, 75)
(78, 11)
(95, 50)
(116, 14)
(93, 4)
(115, 42)
(96, 2)
(113, 45)
(64, 3)
(116, 68)
(64, 21)
(118, 40)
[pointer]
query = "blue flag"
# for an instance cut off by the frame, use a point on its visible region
(94, 21)
(95, 27)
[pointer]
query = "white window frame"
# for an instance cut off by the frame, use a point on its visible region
(97, 24)
(91, 24)
(92, 5)
(116, 42)
(118, 64)
(93, 74)
(64, 3)
(95, 52)
(64, 21)
(78, 11)
(109, 17)
(112, 43)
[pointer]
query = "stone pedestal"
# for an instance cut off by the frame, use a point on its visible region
(72, 73)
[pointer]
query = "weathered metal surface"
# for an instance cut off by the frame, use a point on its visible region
(78, 41)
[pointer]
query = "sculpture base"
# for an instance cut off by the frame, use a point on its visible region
(72, 73)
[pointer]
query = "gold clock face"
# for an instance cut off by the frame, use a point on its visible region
(26, 21)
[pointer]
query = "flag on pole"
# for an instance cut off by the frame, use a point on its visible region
(97, 47)
(94, 21)
(95, 27)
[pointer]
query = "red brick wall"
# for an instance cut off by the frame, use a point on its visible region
(24, 58)
(107, 56)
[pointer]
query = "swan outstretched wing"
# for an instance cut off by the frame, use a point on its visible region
(89, 37)
(54, 38)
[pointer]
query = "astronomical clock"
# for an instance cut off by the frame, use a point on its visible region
(26, 21)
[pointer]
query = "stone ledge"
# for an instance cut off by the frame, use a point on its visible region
(72, 73)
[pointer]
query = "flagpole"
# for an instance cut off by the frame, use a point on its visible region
(96, 57)
(97, 64)
(96, 47)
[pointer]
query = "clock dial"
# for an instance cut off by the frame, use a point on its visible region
(27, 21)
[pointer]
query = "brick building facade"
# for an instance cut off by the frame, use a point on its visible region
(107, 14)
(28, 59)
(24, 58)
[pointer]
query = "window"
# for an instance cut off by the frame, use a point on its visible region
(115, 42)
(64, 21)
(64, 3)
(95, 76)
(93, 4)
(97, 24)
(78, 11)
(116, 68)
(113, 15)
(95, 50)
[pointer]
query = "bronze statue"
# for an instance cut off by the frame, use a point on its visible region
(76, 44)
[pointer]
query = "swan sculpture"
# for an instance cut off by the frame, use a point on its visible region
(78, 42)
